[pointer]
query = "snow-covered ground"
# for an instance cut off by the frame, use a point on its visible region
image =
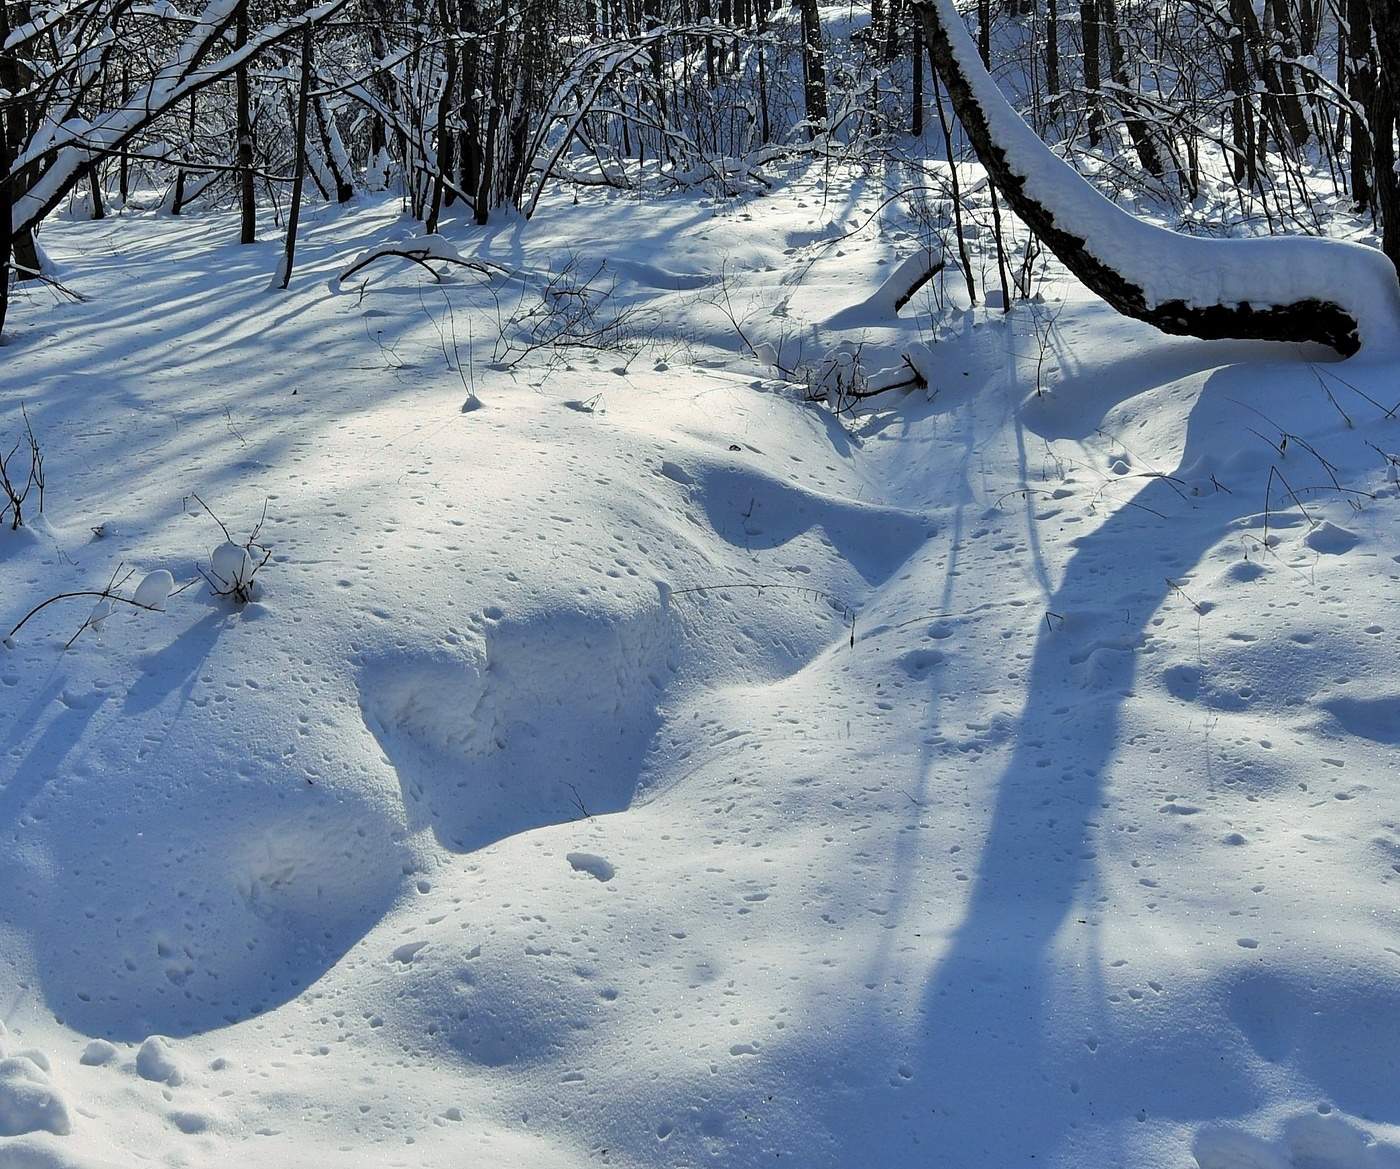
(1038, 809)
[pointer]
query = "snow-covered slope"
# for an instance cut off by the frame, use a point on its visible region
(1038, 808)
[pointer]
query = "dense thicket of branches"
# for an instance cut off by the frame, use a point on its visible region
(1275, 108)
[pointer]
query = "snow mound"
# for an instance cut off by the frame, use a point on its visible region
(156, 1061)
(28, 1100)
(1325, 1141)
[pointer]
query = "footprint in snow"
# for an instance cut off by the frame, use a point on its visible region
(592, 864)
(407, 952)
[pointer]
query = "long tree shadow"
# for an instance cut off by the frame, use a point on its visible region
(1014, 1055)
(1018, 995)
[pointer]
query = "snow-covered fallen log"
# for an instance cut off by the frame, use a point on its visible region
(423, 250)
(1292, 288)
(898, 288)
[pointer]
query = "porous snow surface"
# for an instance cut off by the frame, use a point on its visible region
(648, 768)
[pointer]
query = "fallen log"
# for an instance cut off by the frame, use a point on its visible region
(1280, 288)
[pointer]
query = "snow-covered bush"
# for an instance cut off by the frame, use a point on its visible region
(151, 595)
(233, 566)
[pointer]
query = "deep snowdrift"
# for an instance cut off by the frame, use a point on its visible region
(512, 822)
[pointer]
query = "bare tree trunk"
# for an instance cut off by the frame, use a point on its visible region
(21, 255)
(1093, 79)
(9, 185)
(761, 22)
(445, 139)
(247, 199)
(299, 174)
(334, 159)
(6, 215)
(469, 139)
(1072, 219)
(123, 175)
(963, 257)
(917, 128)
(984, 50)
(1138, 132)
(1361, 87)
(95, 186)
(1244, 136)
(489, 146)
(813, 64)
(1385, 16)
(1286, 104)
(893, 18)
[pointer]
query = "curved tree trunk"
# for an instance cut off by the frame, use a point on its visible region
(1276, 289)
(1385, 16)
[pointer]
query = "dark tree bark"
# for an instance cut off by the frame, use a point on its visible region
(123, 174)
(344, 188)
(761, 23)
(1285, 103)
(1305, 319)
(1138, 132)
(247, 199)
(445, 139)
(469, 138)
(917, 128)
(99, 211)
(299, 173)
(489, 148)
(1243, 134)
(1385, 16)
(951, 155)
(813, 64)
(1093, 78)
(8, 78)
(5, 217)
(894, 19)
(1361, 87)
(19, 255)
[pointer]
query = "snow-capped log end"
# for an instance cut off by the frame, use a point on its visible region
(1281, 288)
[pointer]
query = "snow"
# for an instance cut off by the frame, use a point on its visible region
(28, 1101)
(154, 590)
(1168, 265)
(97, 1052)
(155, 1061)
(99, 615)
(648, 761)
